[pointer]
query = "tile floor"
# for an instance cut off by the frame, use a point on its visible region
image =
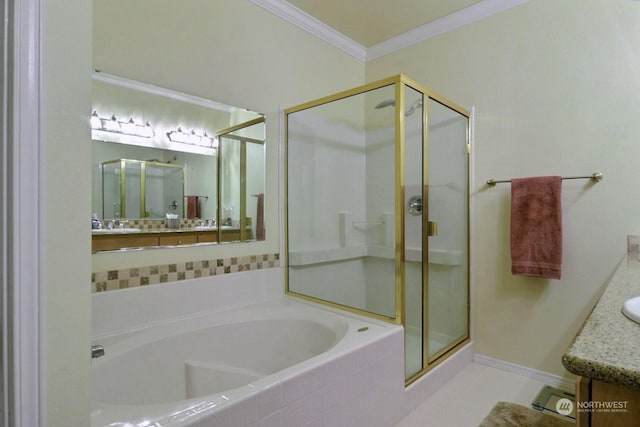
(469, 396)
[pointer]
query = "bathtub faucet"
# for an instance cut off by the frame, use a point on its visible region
(97, 351)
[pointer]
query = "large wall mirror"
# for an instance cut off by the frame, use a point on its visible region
(171, 169)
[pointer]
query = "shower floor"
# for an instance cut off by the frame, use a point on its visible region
(413, 349)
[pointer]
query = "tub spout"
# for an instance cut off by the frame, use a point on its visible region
(97, 351)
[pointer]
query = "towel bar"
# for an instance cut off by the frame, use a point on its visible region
(595, 177)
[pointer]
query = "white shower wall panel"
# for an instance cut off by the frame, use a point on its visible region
(328, 163)
(381, 185)
(341, 281)
(380, 285)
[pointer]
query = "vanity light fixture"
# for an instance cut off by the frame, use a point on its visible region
(179, 135)
(129, 127)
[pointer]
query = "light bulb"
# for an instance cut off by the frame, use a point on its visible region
(177, 135)
(95, 121)
(206, 140)
(193, 138)
(128, 127)
(145, 130)
(111, 125)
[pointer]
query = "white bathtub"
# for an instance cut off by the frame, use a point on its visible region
(282, 361)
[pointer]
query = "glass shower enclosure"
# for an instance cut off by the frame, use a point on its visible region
(134, 189)
(241, 160)
(377, 211)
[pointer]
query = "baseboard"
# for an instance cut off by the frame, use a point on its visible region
(424, 387)
(545, 377)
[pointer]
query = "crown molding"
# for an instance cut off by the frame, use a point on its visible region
(161, 91)
(303, 20)
(468, 15)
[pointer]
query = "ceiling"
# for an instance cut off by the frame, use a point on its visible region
(369, 22)
(369, 29)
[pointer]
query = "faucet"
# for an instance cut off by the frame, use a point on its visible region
(111, 224)
(96, 224)
(97, 351)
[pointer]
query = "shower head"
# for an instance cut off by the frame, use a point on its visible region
(417, 104)
(386, 103)
(392, 102)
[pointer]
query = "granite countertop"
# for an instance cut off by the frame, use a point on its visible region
(608, 346)
(118, 231)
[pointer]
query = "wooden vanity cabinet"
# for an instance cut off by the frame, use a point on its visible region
(233, 235)
(171, 239)
(110, 242)
(594, 392)
(207, 236)
(230, 236)
(115, 241)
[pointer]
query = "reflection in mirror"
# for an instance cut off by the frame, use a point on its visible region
(162, 160)
(242, 160)
(140, 189)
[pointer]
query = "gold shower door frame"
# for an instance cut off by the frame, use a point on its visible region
(243, 140)
(400, 83)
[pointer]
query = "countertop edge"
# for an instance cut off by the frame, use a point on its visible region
(608, 340)
(600, 371)
(160, 231)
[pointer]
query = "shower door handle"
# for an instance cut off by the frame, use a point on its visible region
(432, 228)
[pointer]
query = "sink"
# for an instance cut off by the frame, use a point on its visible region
(115, 230)
(215, 227)
(631, 309)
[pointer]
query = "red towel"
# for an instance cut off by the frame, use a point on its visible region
(193, 207)
(260, 217)
(536, 227)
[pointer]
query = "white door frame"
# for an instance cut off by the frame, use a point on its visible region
(22, 266)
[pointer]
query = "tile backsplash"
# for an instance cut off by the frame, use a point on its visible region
(142, 276)
(161, 224)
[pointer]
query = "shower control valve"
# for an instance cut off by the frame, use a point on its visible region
(415, 205)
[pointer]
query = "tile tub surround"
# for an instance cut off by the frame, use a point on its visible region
(357, 381)
(608, 345)
(138, 307)
(141, 276)
(362, 388)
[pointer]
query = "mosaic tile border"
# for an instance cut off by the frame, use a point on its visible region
(142, 276)
(161, 224)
